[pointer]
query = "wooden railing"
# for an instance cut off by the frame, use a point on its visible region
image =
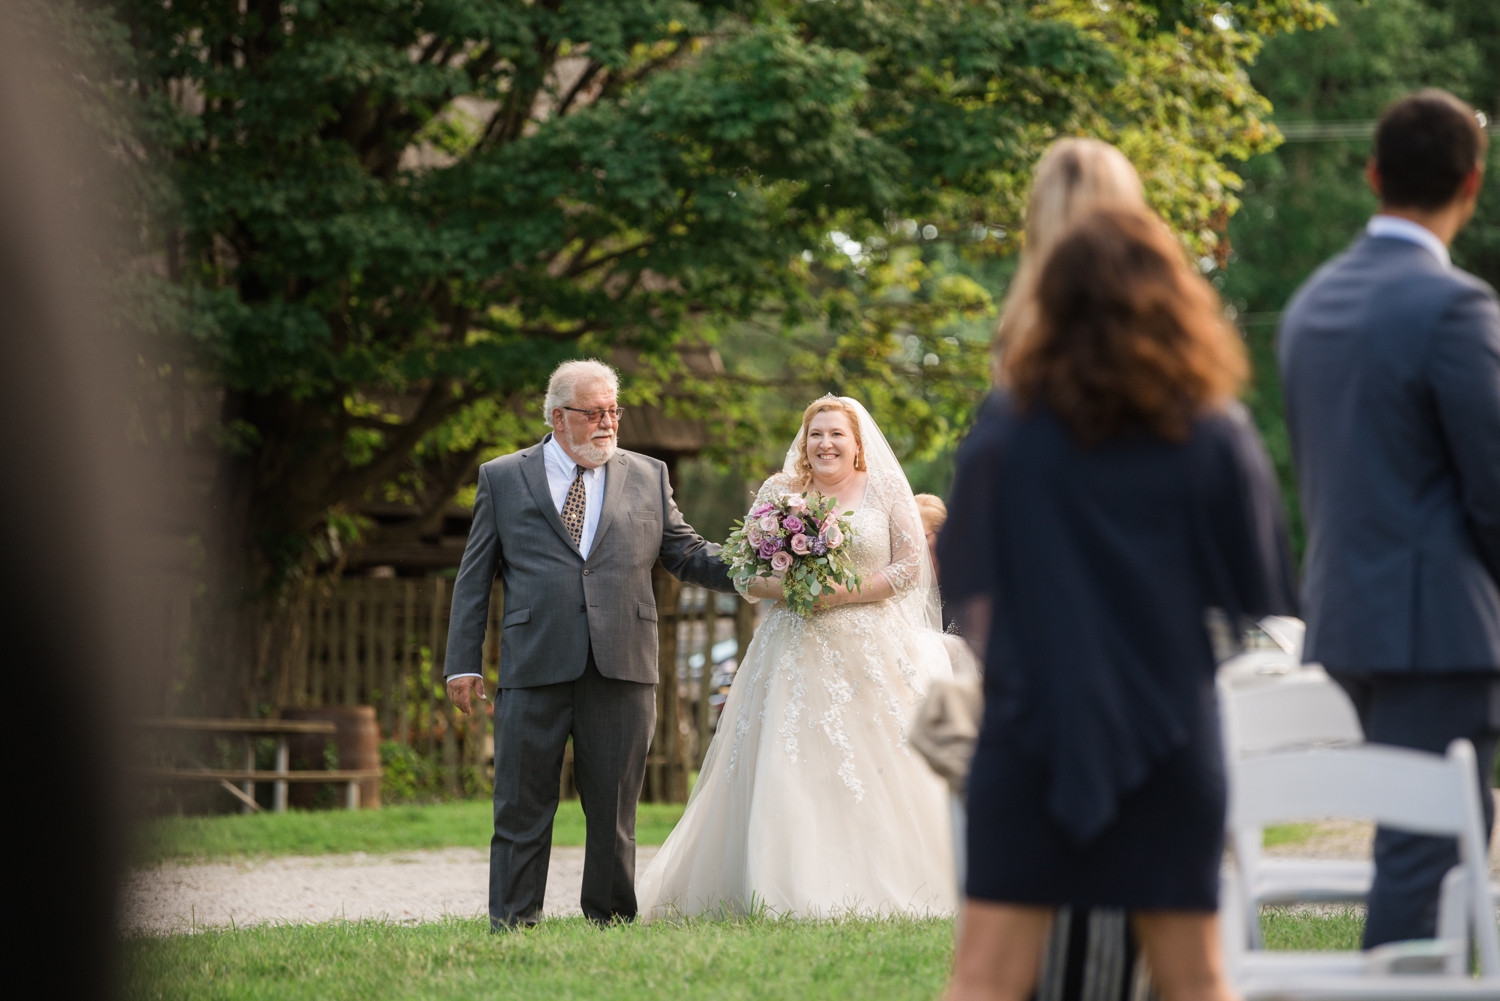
(381, 642)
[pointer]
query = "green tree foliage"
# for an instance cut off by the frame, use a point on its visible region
(901, 307)
(1307, 201)
(385, 220)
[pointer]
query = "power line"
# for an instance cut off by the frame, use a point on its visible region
(1334, 131)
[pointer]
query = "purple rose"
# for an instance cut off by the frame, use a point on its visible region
(769, 548)
(792, 523)
(801, 545)
(781, 562)
(764, 508)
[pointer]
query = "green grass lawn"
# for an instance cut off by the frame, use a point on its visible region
(1305, 931)
(1287, 834)
(568, 958)
(391, 829)
(565, 958)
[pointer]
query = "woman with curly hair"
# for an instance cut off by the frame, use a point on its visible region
(1112, 494)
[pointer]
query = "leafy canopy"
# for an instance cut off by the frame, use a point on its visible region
(383, 222)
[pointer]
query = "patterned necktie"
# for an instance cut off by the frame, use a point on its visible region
(573, 508)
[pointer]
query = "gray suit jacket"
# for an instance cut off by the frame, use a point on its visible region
(556, 602)
(1391, 367)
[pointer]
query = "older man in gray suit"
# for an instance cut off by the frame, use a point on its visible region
(572, 526)
(1391, 363)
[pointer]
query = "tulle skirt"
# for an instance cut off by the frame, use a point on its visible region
(810, 802)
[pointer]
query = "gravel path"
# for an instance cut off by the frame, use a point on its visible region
(420, 886)
(407, 887)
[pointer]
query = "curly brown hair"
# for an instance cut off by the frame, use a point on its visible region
(1128, 336)
(816, 407)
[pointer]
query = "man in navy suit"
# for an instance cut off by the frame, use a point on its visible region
(1391, 362)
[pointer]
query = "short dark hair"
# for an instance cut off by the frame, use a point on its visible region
(1425, 145)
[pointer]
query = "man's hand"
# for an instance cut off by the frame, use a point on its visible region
(461, 690)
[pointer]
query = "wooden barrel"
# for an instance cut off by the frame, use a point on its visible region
(356, 742)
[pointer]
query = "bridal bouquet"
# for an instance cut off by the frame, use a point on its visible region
(798, 539)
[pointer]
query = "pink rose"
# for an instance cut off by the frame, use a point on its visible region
(792, 523)
(801, 544)
(754, 535)
(768, 523)
(796, 504)
(781, 561)
(833, 536)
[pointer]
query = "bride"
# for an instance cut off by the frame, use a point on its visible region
(809, 801)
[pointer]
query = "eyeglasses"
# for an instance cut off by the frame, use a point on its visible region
(595, 416)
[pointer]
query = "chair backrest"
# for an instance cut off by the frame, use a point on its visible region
(1299, 710)
(1411, 790)
(1286, 632)
(1259, 667)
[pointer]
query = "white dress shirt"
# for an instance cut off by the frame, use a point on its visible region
(1396, 228)
(560, 473)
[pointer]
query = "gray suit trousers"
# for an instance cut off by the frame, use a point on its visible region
(611, 723)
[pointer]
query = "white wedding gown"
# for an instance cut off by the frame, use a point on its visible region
(810, 802)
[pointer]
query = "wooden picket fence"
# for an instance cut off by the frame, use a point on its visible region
(381, 642)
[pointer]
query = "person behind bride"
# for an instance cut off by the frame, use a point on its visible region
(809, 801)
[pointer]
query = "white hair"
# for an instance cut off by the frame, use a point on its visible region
(562, 388)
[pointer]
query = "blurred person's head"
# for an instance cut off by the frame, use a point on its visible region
(1128, 336)
(1072, 178)
(1429, 160)
(934, 513)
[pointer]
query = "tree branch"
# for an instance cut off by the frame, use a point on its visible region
(618, 82)
(460, 466)
(437, 406)
(588, 74)
(574, 270)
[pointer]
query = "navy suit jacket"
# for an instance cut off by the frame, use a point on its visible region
(1391, 367)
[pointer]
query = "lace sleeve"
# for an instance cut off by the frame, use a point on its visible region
(775, 486)
(907, 547)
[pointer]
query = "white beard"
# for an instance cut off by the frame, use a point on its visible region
(596, 453)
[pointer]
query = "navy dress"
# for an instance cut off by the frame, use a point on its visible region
(1098, 780)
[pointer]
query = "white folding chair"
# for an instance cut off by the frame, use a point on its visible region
(1263, 665)
(1305, 709)
(1409, 790)
(1286, 632)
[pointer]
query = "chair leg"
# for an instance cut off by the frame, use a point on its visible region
(1453, 918)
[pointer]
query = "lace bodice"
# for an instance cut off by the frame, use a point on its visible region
(882, 541)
